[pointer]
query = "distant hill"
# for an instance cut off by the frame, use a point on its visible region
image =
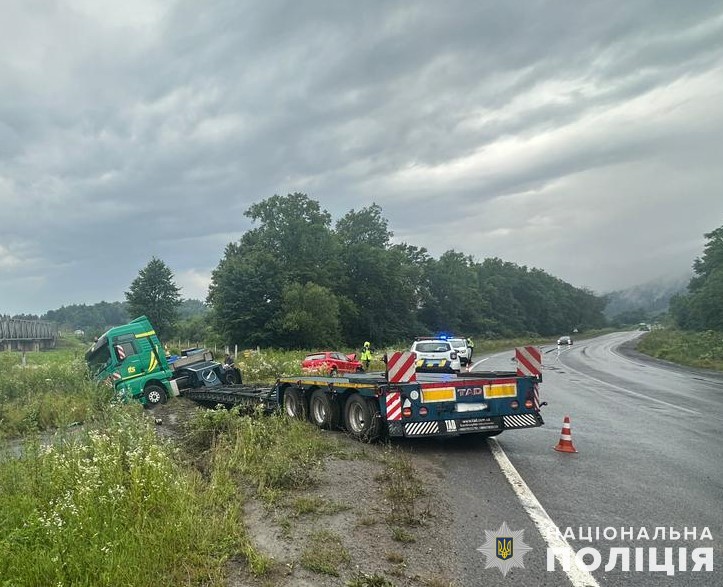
(94, 319)
(643, 302)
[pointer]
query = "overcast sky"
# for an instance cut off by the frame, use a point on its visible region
(583, 138)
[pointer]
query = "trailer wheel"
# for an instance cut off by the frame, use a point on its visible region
(324, 410)
(154, 395)
(294, 403)
(231, 377)
(362, 419)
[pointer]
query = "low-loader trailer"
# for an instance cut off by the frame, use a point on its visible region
(398, 402)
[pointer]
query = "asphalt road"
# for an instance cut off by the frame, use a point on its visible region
(649, 437)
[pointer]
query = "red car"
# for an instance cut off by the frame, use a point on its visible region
(331, 362)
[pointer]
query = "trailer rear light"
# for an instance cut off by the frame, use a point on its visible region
(407, 412)
(423, 411)
(514, 404)
(529, 404)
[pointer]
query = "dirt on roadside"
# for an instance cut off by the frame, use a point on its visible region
(357, 526)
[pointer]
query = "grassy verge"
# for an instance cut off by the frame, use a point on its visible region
(695, 349)
(112, 505)
(273, 453)
(50, 392)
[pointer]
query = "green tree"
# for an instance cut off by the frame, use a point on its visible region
(702, 307)
(367, 227)
(378, 292)
(292, 280)
(711, 260)
(310, 317)
(155, 294)
(245, 294)
(293, 243)
(298, 233)
(454, 302)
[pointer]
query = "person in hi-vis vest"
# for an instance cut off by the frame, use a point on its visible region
(366, 355)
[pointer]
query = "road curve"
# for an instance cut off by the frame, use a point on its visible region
(650, 444)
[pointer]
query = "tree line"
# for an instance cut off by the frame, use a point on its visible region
(297, 280)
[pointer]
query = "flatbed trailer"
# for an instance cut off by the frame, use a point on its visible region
(371, 406)
(247, 396)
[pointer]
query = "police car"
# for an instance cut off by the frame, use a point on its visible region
(436, 355)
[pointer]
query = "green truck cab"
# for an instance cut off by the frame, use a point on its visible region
(131, 359)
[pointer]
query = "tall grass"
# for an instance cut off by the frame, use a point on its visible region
(43, 396)
(696, 349)
(271, 453)
(113, 506)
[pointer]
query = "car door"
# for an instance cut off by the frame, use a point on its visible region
(340, 361)
(125, 348)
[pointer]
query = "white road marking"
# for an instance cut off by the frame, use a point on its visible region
(635, 393)
(477, 363)
(547, 528)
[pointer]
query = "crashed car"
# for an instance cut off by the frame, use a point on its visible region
(331, 362)
(564, 340)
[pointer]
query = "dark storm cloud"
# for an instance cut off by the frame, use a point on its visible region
(528, 131)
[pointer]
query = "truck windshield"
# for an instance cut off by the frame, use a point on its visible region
(98, 356)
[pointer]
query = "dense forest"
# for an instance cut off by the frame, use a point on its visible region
(94, 319)
(294, 280)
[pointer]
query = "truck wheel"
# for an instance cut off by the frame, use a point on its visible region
(154, 395)
(294, 403)
(362, 419)
(323, 410)
(230, 377)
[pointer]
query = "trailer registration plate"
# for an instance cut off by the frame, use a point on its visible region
(477, 424)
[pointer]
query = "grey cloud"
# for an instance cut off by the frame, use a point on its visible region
(173, 125)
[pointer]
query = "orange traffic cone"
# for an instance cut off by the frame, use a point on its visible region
(565, 444)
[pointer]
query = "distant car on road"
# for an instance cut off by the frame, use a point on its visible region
(564, 340)
(331, 362)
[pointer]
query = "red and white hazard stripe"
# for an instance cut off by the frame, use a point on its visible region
(120, 352)
(400, 367)
(536, 395)
(394, 406)
(529, 360)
